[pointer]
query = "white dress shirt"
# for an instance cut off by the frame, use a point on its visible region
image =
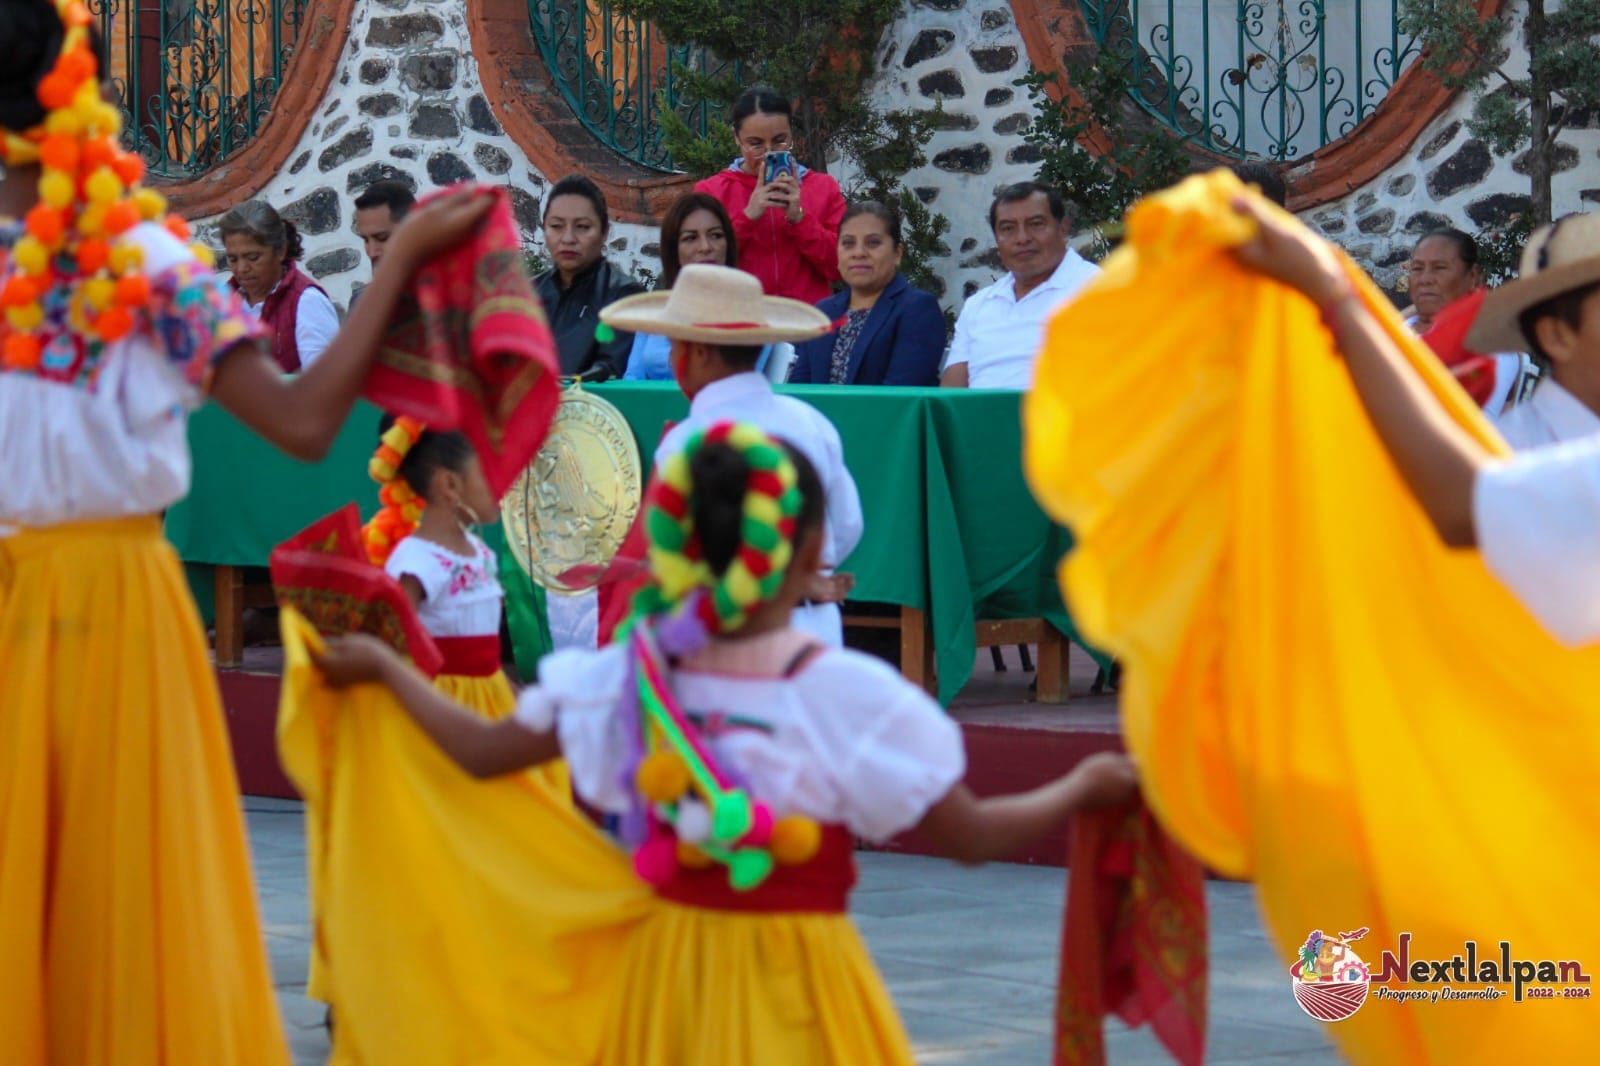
(1550, 416)
(999, 336)
(749, 398)
(1536, 517)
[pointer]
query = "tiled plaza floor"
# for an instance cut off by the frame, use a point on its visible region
(969, 954)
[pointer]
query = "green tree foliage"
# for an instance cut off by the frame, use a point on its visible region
(1510, 113)
(817, 53)
(883, 156)
(1143, 156)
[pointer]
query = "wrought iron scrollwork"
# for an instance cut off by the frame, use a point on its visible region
(612, 71)
(196, 78)
(1270, 78)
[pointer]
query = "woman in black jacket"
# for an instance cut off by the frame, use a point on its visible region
(582, 281)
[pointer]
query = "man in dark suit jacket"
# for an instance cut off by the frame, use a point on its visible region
(888, 332)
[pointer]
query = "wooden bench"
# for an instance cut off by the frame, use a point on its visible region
(234, 596)
(916, 653)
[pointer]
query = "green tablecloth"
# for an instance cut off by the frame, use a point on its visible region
(950, 526)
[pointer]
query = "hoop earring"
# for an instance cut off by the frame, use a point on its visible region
(460, 507)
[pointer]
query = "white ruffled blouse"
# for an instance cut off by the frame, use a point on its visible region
(99, 430)
(845, 740)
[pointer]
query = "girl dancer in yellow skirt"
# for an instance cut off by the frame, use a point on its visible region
(742, 758)
(128, 928)
(433, 487)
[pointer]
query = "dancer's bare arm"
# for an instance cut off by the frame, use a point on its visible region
(1437, 458)
(973, 830)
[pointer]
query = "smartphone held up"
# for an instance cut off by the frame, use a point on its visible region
(776, 165)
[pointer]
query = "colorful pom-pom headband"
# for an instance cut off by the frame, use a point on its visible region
(770, 506)
(89, 196)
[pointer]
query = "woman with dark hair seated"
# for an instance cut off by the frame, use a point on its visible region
(583, 280)
(263, 251)
(695, 229)
(892, 334)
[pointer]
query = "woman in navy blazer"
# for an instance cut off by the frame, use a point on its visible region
(889, 333)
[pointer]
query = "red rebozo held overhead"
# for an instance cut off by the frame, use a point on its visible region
(471, 350)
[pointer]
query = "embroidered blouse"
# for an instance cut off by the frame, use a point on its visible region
(99, 430)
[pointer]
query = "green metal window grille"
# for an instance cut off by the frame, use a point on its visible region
(196, 78)
(1272, 78)
(612, 71)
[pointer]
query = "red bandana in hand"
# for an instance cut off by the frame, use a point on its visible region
(1135, 939)
(323, 572)
(1448, 339)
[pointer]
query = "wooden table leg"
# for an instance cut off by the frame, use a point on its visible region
(229, 611)
(1054, 666)
(916, 654)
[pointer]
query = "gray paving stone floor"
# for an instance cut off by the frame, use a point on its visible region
(970, 956)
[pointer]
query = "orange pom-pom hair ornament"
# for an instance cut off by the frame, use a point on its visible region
(689, 810)
(402, 507)
(89, 194)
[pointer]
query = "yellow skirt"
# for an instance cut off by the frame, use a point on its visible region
(492, 698)
(471, 921)
(128, 925)
(489, 922)
(1321, 697)
(715, 988)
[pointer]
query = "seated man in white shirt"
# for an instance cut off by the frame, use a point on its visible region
(718, 321)
(1001, 328)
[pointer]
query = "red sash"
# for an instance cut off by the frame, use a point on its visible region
(820, 886)
(469, 656)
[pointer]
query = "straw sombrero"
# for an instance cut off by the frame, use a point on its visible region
(716, 305)
(1557, 258)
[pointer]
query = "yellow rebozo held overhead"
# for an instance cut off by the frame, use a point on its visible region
(1321, 697)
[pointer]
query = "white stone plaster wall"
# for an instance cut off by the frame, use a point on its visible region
(980, 149)
(407, 101)
(1450, 178)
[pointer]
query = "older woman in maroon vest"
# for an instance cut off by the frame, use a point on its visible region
(262, 250)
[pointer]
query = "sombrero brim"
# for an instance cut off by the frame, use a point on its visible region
(774, 319)
(1497, 328)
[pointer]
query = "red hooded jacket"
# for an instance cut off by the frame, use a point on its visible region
(799, 260)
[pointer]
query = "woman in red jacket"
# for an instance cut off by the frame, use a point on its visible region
(787, 230)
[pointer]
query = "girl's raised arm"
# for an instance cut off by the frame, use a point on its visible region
(478, 746)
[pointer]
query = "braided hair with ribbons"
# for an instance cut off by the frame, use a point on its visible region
(722, 519)
(402, 507)
(680, 561)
